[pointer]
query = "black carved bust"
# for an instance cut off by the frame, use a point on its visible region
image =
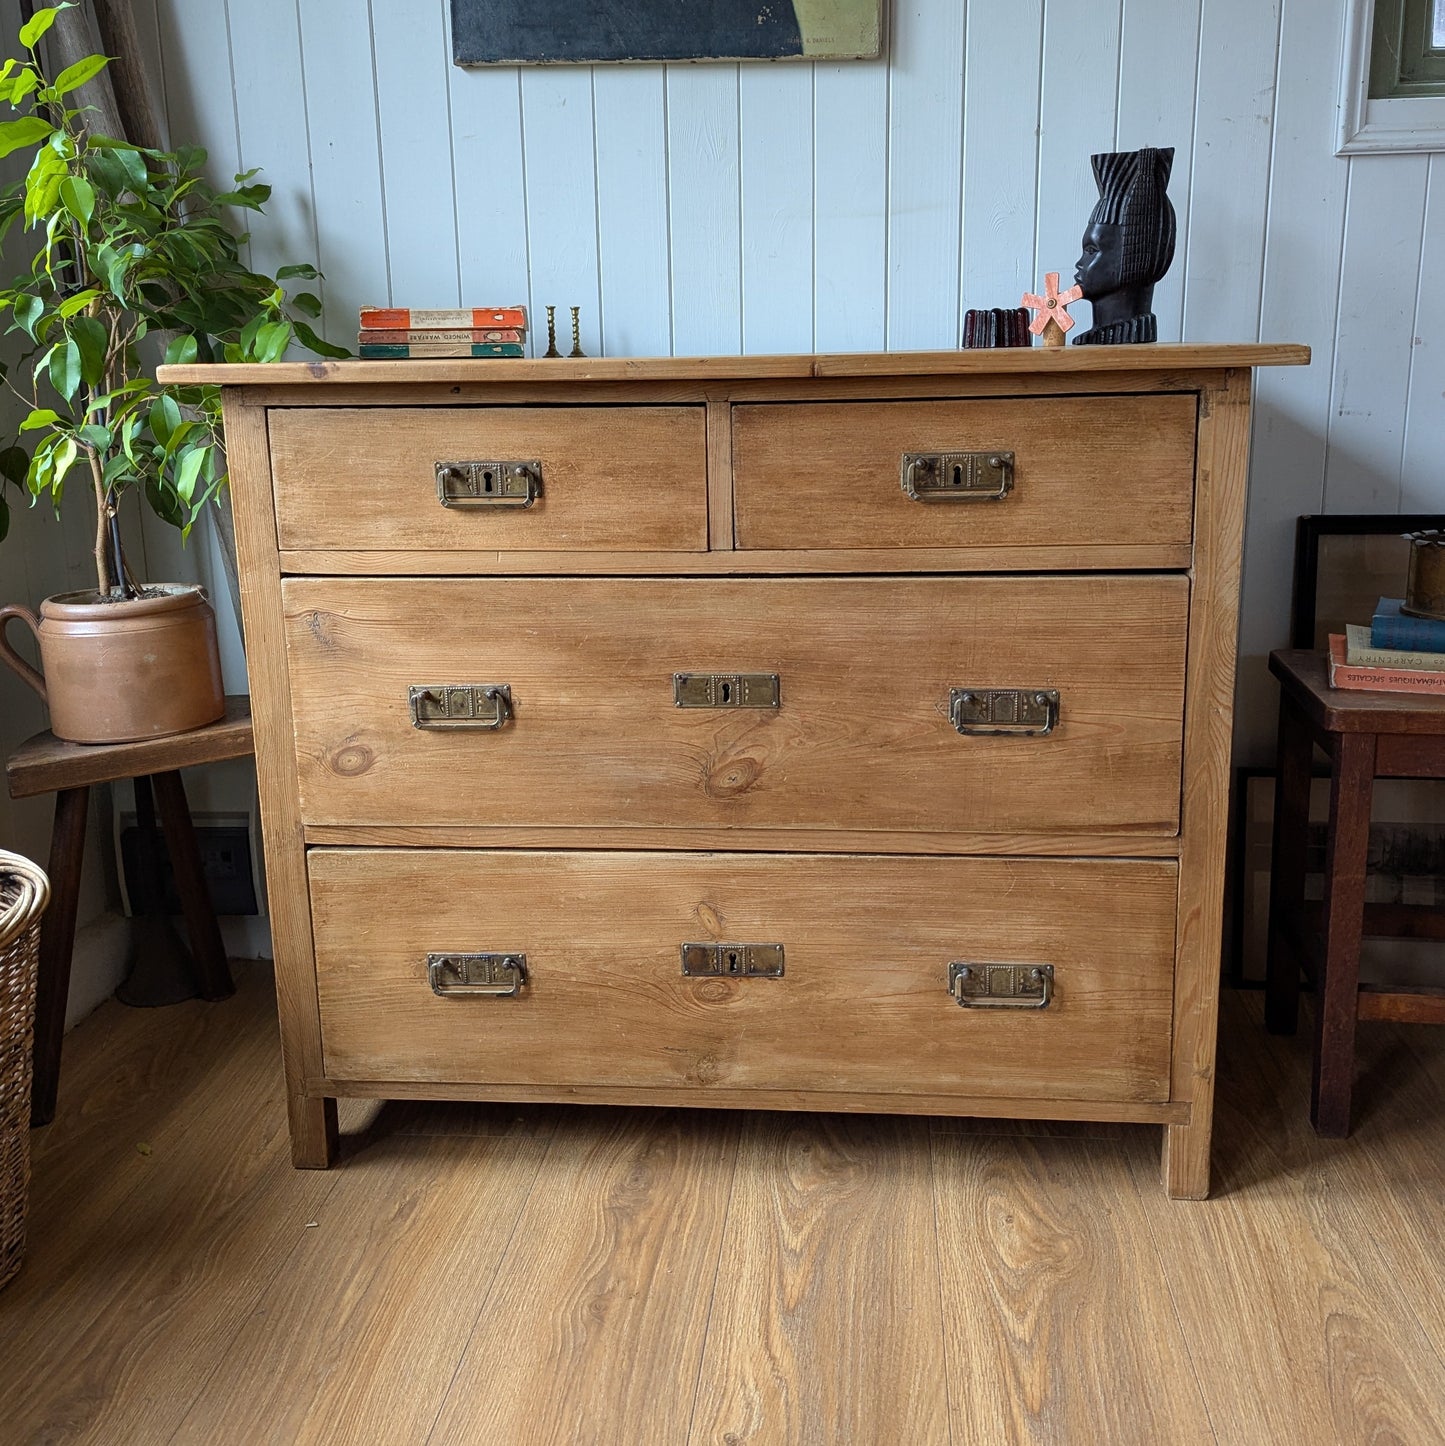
(1128, 245)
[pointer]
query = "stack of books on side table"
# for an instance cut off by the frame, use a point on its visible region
(389, 332)
(1397, 653)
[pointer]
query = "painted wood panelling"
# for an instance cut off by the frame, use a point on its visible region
(719, 208)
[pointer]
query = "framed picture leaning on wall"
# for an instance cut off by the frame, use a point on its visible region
(539, 32)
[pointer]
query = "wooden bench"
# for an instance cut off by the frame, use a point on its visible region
(45, 764)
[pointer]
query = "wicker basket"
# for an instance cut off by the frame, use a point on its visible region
(24, 891)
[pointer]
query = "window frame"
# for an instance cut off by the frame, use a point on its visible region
(1373, 126)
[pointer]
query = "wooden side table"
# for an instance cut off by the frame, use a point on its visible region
(43, 764)
(1367, 736)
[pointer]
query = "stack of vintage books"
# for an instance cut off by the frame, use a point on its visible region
(1397, 653)
(389, 332)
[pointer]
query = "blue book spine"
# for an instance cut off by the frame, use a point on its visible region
(1391, 628)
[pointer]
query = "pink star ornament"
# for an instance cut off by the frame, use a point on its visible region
(1053, 318)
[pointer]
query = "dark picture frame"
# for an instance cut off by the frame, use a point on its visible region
(1343, 564)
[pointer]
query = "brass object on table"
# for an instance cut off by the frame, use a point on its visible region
(1425, 583)
(551, 333)
(576, 334)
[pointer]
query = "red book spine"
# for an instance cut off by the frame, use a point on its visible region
(403, 318)
(1378, 680)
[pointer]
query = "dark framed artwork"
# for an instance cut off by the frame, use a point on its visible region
(1344, 564)
(538, 32)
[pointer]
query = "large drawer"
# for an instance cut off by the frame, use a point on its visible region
(1088, 471)
(364, 478)
(863, 737)
(863, 1003)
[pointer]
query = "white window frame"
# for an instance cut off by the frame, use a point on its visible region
(1411, 123)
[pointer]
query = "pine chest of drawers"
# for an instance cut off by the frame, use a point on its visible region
(842, 733)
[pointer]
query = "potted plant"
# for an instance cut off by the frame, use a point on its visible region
(131, 253)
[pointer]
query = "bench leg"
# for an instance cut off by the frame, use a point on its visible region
(57, 941)
(1287, 869)
(1352, 781)
(213, 976)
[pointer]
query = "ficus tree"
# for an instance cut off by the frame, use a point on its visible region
(130, 253)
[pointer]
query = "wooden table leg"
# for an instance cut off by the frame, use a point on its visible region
(1287, 869)
(1352, 781)
(57, 940)
(213, 975)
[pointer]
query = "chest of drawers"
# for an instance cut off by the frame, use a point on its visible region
(843, 733)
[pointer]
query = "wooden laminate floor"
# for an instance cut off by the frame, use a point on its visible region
(493, 1275)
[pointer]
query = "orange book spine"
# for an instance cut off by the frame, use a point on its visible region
(1378, 680)
(409, 318)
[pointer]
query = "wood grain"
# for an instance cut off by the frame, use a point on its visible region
(395, 1270)
(863, 1004)
(1022, 558)
(827, 474)
(45, 763)
(808, 841)
(1223, 481)
(826, 1324)
(1045, 1255)
(862, 738)
(1023, 360)
(626, 1234)
(313, 1121)
(612, 477)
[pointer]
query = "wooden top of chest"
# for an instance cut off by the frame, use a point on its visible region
(1031, 361)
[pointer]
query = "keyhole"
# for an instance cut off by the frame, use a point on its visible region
(727, 692)
(486, 481)
(957, 475)
(732, 961)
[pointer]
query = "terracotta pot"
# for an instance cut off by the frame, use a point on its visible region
(115, 672)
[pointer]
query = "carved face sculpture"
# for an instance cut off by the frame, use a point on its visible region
(1130, 239)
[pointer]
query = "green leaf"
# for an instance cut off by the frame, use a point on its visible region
(181, 351)
(92, 336)
(14, 463)
(28, 310)
(18, 87)
(165, 418)
(164, 502)
(39, 23)
(306, 303)
(40, 417)
(65, 368)
(309, 273)
(312, 342)
(26, 131)
(65, 455)
(77, 195)
(42, 184)
(78, 302)
(92, 434)
(75, 76)
(272, 341)
(188, 470)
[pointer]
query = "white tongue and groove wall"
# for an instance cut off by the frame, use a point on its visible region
(720, 208)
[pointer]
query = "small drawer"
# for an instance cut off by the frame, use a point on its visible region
(952, 704)
(854, 992)
(1076, 472)
(631, 479)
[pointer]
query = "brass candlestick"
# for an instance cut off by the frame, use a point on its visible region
(576, 334)
(551, 333)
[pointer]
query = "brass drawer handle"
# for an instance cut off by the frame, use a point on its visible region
(481, 707)
(488, 484)
(1022, 712)
(957, 476)
(1001, 986)
(736, 961)
(494, 976)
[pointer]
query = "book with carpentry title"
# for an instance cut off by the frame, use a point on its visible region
(1343, 674)
(392, 332)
